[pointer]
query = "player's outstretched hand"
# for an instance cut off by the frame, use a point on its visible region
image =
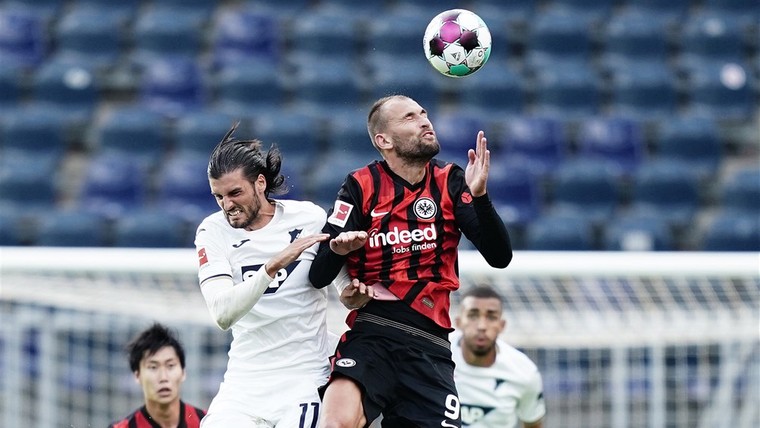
(357, 294)
(479, 160)
(346, 242)
(292, 252)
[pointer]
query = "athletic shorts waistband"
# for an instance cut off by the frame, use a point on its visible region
(378, 320)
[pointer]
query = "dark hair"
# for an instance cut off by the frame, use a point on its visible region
(231, 154)
(149, 341)
(482, 292)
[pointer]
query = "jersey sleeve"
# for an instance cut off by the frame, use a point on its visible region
(346, 215)
(479, 222)
(212, 260)
(531, 406)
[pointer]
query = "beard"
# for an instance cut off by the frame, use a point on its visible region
(248, 214)
(416, 151)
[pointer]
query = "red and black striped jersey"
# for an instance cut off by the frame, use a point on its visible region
(414, 231)
(189, 417)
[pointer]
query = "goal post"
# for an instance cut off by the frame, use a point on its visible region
(623, 339)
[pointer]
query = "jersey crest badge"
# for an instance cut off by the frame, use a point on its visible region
(425, 208)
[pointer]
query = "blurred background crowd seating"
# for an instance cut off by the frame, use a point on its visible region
(613, 124)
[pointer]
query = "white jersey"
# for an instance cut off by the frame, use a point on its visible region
(284, 335)
(499, 395)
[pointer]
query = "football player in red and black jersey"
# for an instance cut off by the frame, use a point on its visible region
(396, 225)
(157, 360)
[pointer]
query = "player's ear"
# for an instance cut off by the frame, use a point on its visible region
(381, 142)
(137, 376)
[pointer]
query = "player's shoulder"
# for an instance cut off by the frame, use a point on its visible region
(213, 220)
(510, 356)
(307, 209)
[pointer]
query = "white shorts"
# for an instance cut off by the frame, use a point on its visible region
(285, 402)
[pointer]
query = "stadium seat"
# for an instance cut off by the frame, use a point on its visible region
(517, 12)
(134, 133)
(631, 38)
(112, 185)
(457, 130)
(12, 225)
(295, 132)
(23, 39)
(45, 10)
(732, 231)
(587, 11)
(560, 232)
(616, 141)
(72, 229)
(10, 88)
(740, 191)
(587, 187)
(326, 82)
(173, 86)
(496, 86)
(668, 189)
(150, 228)
(670, 12)
(540, 142)
(743, 12)
(165, 32)
(183, 187)
(515, 191)
(200, 9)
(91, 36)
(399, 34)
(198, 132)
(69, 91)
(29, 185)
(570, 91)
(645, 91)
(34, 135)
(721, 91)
(555, 38)
(124, 10)
(347, 133)
(246, 36)
(693, 140)
(638, 232)
(325, 33)
(248, 88)
(408, 76)
(709, 38)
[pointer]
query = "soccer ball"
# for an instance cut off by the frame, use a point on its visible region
(457, 43)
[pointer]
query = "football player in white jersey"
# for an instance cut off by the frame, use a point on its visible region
(254, 256)
(497, 384)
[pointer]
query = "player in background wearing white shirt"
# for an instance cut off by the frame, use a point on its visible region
(497, 384)
(254, 258)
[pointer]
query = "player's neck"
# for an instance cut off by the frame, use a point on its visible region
(265, 215)
(479, 360)
(165, 415)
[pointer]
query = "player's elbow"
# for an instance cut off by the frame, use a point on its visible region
(318, 281)
(224, 323)
(502, 261)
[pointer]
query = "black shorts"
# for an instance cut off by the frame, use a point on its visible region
(405, 376)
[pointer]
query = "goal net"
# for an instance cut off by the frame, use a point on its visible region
(625, 340)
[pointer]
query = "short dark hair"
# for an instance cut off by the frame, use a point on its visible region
(231, 154)
(482, 292)
(149, 341)
(375, 120)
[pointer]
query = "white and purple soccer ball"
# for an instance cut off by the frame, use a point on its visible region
(457, 43)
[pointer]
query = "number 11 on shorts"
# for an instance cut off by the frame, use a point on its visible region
(305, 413)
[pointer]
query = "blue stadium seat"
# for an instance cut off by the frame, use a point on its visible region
(669, 12)
(644, 90)
(568, 91)
(198, 132)
(69, 91)
(515, 191)
(347, 133)
(496, 86)
(91, 36)
(457, 130)
(693, 140)
(560, 232)
(364, 10)
(638, 232)
(587, 11)
(743, 12)
(113, 184)
(617, 141)
(540, 142)
(29, 185)
(23, 39)
(398, 34)
(517, 12)
(249, 87)
(173, 86)
(150, 229)
(246, 35)
(554, 38)
(721, 91)
(165, 32)
(132, 132)
(332, 82)
(325, 33)
(13, 222)
(667, 189)
(183, 187)
(586, 187)
(740, 191)
(45, 10)
(632, 37)
(732, 231)
(200, 9)
(707, 37)
(10, 89)
(295, 132)
(408, 76)
(124, 10)
(33, 135)
(72, 229)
